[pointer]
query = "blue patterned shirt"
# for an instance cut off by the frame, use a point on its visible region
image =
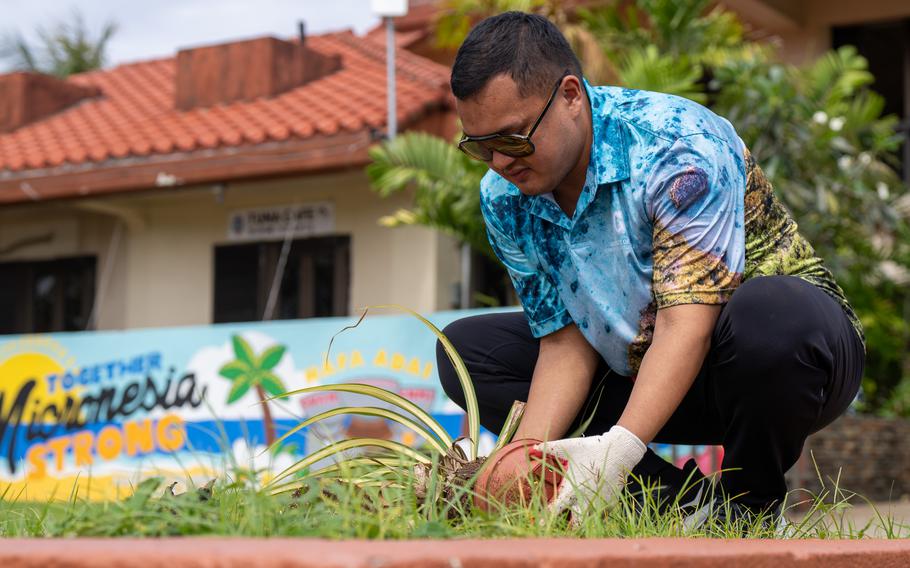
(658, 223)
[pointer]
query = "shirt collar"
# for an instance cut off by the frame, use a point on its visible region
(609, 161)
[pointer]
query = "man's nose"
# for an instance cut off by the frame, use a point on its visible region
(500, 161)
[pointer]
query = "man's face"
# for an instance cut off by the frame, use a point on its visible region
(558, 140)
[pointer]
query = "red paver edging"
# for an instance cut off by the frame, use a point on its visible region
(512, 553)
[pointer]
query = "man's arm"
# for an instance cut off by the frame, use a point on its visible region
(597, 466)
(682, 337)
(562, 377)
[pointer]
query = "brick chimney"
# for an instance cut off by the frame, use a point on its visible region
(246, 70)
(26, 97)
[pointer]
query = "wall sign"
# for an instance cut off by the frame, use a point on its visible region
(266, 223)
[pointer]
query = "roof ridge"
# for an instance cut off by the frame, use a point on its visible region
(402, 56)
(136, 117)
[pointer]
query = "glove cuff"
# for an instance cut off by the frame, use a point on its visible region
(631, 446)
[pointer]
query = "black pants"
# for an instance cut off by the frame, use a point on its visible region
(784, 362)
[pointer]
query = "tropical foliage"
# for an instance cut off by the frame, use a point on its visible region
(64, 49)
(817, 131)
(444, 180)
(441, 471)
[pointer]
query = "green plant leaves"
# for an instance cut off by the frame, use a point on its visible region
(234, 369)
(650, 70)
(339, 447)
(473, 410)
(444, 181)
(387, 397)
(271, 357)
(513, 420)
(243, 351)
(271, 383)
(370, 411)
(241, 386)
(248, 370)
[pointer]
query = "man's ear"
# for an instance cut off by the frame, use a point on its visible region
(574, 94)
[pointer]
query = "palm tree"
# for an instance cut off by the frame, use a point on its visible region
(248, 371)
(445, 183)
(64, 50)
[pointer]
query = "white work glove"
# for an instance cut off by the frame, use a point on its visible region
(597, 468)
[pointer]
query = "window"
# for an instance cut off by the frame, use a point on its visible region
(315, 282)
(886, 45)
(46, 296)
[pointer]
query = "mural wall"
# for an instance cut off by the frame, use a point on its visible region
(99, 411)
(102, 409)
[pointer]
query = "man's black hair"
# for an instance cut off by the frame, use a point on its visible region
(530, 48)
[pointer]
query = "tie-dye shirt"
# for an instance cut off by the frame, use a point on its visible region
(673, 211)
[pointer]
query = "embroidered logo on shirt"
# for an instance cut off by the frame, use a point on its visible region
(688, 186)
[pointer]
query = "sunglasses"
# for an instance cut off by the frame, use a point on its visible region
(512, 145)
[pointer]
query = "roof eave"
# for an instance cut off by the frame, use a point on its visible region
(312, 155)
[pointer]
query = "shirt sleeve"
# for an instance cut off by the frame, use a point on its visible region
(695, 200)
(540, 299)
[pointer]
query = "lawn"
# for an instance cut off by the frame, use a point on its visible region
(235, 505)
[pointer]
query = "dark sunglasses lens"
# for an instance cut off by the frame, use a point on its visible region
(512, 146)
(476, 150)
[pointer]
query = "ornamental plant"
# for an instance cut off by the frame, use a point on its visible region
(440, 469)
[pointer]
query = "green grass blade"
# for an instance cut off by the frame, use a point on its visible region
(338, 447)
(365, 411)
(461, 370)
(383, 395)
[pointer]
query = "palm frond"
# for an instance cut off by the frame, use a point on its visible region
(384, 396)
(445, 183)
(649, 70)
(368, 411)
(473, 410)
(339, 447)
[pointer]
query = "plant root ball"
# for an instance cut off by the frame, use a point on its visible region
(501, 482)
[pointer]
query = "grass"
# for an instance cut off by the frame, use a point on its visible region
(238, 506)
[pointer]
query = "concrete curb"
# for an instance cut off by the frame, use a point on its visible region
(204, 552)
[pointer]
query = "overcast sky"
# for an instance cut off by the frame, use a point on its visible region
(155, 28)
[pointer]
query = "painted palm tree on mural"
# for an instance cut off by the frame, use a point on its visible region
(249, 371)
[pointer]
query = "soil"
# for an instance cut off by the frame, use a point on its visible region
(461, 478)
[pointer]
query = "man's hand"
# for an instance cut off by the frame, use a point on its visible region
(597, 468)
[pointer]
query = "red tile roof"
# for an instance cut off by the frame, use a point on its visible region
(136, 117)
